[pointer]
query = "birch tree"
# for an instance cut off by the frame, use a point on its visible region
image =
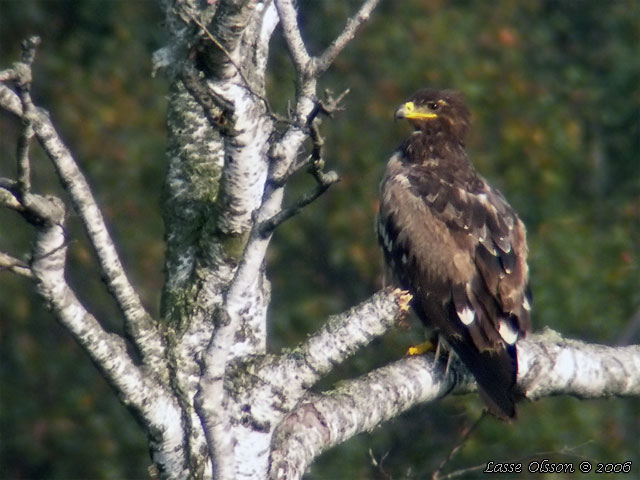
(199, 380)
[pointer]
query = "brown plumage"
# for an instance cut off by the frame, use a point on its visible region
(455, 243)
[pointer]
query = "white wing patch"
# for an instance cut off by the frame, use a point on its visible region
(507, 332)
(467, 316)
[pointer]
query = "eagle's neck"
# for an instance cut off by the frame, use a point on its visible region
(435, 147)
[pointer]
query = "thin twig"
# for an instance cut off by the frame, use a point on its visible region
(323, 179)
(564, 451)
(7, 262)
(24, 140)
(632, 328)
(227, 54)
(326, 59)
(327, 107)
(216, 108)
(269, 225)
(454, 451)
(29, 46)
(378, 464)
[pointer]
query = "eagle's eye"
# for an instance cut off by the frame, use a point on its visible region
(433, 105)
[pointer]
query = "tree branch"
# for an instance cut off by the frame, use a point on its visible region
(437, 473)
(139, 323)
(548, 365)
(245, 297)
(339, 338)
(349, 32)
(322, 421)
(9, 101)
(147, 398)
(8, 197)
(7, 262)
(295, 44)
(24, 91)
(324, 181)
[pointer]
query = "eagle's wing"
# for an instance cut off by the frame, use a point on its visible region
(494, 295)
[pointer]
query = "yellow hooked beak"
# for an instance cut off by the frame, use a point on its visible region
(411, 112)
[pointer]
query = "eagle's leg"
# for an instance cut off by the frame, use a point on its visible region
(450, 359)
(439, 349)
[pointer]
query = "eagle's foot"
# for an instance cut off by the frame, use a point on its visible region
(421, 348)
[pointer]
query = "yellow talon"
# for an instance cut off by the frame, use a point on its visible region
(420, 348)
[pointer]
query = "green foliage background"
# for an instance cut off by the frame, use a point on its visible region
(554, 91)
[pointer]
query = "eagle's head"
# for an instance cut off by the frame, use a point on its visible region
(432, 110)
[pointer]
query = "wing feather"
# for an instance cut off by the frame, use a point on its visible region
(486, 227)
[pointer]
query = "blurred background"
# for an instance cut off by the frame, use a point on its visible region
(553, 87)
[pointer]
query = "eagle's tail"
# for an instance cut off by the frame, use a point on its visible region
(495, 372)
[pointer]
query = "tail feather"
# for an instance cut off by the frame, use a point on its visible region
(494, 365)
(495, 372)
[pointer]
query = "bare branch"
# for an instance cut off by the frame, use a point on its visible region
(328, 106)
(7, 262)
(138, 321)
(293, 37)
(303, 62)
(349, 32)
(278, 177)
(29, 46)
(8, 198)
(322, 421)
(436, 475)
(339, 338)
(24, 141)
(138, 391)
(9, 101)
(548, 365)
(342, 335)
(325, 180)
(23, 80)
